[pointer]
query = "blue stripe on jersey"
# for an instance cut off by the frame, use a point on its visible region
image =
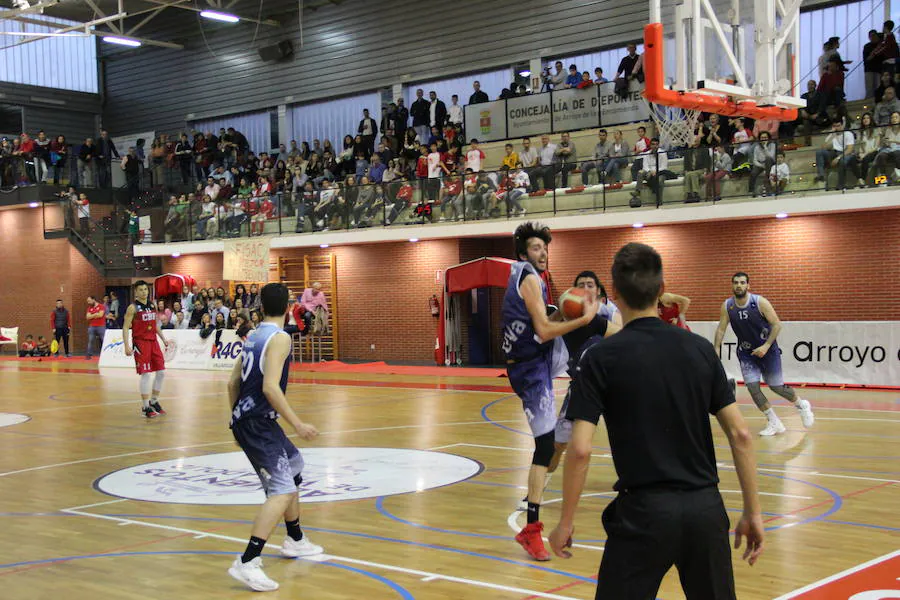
(749, 324)
(252, 401)
(520, 341)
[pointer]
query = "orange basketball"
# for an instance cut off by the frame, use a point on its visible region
(571, 303)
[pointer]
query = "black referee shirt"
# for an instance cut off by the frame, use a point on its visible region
(655, 385)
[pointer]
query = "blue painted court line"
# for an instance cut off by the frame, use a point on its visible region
(403, 592)
(485, 416)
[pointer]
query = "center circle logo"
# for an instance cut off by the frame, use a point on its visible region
(329, 475)
(8, 419)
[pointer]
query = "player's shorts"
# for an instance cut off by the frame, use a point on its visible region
(274, 457)
(532, 381)
(767, 368)
(148, 356)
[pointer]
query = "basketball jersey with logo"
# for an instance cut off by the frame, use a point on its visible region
(748, 323)
(252, 403)
(520, 341)
(143, 326)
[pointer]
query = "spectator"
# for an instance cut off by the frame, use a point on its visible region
(868, 142)
(206, 326)
(716, 132)
(548, 166)
(558, 79)
(530, 159)
(630, 68)
(212, 188)
(887, 50)
(86, 156)
(106, 150)
(696, 165)
(567, 157)
(317, 148)
(873, 65)
(184, 154)
(180, 321)
(197, 314)
(655, 171)
(510, 158)
(368, 129)
(294, 319)
(517, 190)
(254, 318)
(402, 119)
(313, 300)
(455, 111)
(84, 214)
(780, 175)
(265, 212)
(770, 126)
(643, 142)
(618, 158)
(420, 112)
(26, 150)
(165, 323)
(132, 167)
(376, 169)
(96, 318)
(41, 157)
(586, 81)
(743, 146)
(888, 158)
(437, 111)
(573, 79)
(59, 153)
(219, 309)
(161, 310)
(598, 76)
(28, 347)
(474, 157)
(598, 162)
(836, 152)
(221, 321)
(888, 105)
(477, 96)
(114, 311)
(885, 82)
(831, 86)
(61, 325)
(43, 346)
(762, 159)
(451, 197)
(721, 168)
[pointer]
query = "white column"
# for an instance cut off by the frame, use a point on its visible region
(285, 129)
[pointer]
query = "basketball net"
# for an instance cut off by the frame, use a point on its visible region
(674, 126)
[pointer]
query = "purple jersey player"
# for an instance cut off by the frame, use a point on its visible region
(757, 326)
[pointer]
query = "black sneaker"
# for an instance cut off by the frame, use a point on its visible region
(157, 408)
(149, 412)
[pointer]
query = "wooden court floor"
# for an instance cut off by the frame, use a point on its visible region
(96, 502)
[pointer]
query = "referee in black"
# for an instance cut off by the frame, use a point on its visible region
(656, 385)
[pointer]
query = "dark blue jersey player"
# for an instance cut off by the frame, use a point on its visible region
(528, 343)
(756, 326)
(256, 396)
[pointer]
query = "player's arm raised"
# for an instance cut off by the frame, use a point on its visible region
(683, 302)
(765, 307)
(543, 326)
(126, 329)
(720, 330)
(277, 351)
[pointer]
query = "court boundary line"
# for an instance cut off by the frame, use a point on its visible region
(837, 576)
(327, 557)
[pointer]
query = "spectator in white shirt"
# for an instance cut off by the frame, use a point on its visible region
(455, 111)
(779, 176)
(654, 170)
(836, 152)
(212, 188)
(474, 157)
(547, 161)
(180, 321)
(529, 159)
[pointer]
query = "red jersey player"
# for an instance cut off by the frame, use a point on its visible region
(672, 307)
(140, 317)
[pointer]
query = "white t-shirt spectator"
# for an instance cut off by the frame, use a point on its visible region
(474, 159)
(780, 172)
(521, 180)
(839, 140)
(529, 157)
(434, 164)
(547, 154)
(212, 191)
(455, 113)
(84, 209)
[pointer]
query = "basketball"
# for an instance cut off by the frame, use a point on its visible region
(571, 303)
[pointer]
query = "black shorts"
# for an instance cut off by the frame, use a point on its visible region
(274, 457)
(650, 531)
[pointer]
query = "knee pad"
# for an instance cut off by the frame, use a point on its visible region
(785, 391)
(543, 449)
(146, 383)
(756, 393)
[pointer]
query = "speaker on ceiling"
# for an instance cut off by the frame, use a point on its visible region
(280, 51)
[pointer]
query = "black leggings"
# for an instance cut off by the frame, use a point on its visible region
(62, 333)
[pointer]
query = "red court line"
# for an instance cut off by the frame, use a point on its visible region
(560, 588)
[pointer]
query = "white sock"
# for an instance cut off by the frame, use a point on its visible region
(770, 414)
(145, 402)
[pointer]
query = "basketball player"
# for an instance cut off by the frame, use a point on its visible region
(140, 318)
(576, 342)
(256, 397)
(671, 309)
(529, 362)
(757, 326)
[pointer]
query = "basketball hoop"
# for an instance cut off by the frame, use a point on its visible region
(675, 126)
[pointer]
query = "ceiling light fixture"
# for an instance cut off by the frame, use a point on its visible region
(781, 215)
(637, 225)
(323, 245)
(219, 16)
(176, 254)
(111, 39)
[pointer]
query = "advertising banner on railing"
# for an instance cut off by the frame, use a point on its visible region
(528, 115)
(486, 121)
(246, 259)
(575, 109)
(616, 110)
(852, 352)
(218, 352)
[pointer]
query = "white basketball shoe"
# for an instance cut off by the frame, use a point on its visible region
(291, 548)
(773, 428)
(806, 414)
(252, 575)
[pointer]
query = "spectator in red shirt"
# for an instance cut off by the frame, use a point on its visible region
(28, 347)
(586, 81)
(96, 318)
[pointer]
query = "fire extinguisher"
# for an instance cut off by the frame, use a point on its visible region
(435, 306)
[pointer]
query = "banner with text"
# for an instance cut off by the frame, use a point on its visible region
(575, 109)
(246, 259)
(528, 115)
(853, 352)
(617, 110)
(218, 352)
(486, 121)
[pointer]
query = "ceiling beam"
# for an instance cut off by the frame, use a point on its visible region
(37, 8)
(85, 26)
(97, 32)
(100, 13)
(269, 22)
